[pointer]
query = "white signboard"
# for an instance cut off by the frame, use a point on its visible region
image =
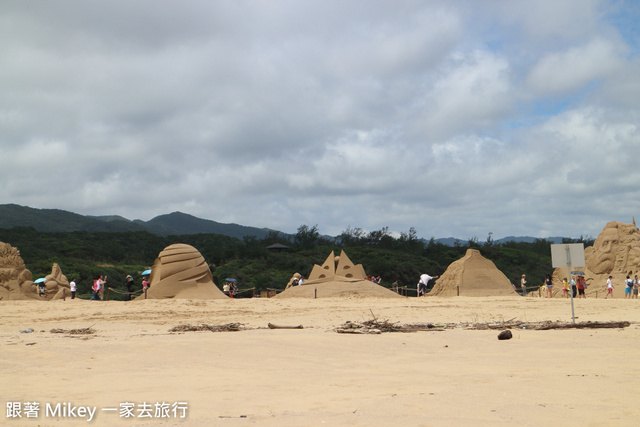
(567, 254)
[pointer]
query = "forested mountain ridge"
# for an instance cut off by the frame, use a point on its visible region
(176, 223)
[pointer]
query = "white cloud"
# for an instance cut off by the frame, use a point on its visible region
(561, 72)
(457, 118)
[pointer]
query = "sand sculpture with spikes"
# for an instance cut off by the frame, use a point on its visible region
(472, 276)
(336, 277)
(180, 271)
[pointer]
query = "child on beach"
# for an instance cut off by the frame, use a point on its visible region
(609, 288)
(565, 288)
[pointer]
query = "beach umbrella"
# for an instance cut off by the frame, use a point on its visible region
(229, 279)
(40, 280)
(577, 273)
(146, 273)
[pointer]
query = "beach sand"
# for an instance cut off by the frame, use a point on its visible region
(315, 376)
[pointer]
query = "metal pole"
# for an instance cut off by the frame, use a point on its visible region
(573, 315)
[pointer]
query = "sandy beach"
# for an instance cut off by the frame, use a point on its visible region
(315, 376)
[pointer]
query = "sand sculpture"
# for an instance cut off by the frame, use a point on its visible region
(180, 271)
(15, 280)
(57, 285)
(337, 276)
(474, 276)
(616, 252)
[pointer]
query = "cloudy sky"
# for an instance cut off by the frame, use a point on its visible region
(457, 118)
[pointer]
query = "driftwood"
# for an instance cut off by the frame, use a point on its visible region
(538, 326)
(585, 325)
(376, 326)
(81, 331)
(229, 327)
(272, 326)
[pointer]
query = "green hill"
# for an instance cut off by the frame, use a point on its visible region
(176, 223)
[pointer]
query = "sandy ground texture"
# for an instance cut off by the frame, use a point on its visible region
(315, 376)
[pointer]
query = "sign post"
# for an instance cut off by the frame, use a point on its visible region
(567, 255)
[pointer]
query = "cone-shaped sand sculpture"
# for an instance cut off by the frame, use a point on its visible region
(180, 271)
(474, 276)
(336, 277)
(616, 253)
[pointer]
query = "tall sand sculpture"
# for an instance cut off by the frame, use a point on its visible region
(616, 253)
(337, 276)
(180, 271)
(473, 276)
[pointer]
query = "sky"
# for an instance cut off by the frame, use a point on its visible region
(454, 118)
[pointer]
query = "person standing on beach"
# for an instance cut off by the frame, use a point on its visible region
(548, 284)
(42, 290)
(582, 285)
(129, 284)
(609, 288)
(103, 282)
(73, 286)
(226, 288)
(635, 287)
(523, 285)
(628, 288)
(422, 284)
(565, 288)
(96, 289)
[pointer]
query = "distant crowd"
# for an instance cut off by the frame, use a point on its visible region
(578, 285)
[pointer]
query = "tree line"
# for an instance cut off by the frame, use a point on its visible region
(84, 255)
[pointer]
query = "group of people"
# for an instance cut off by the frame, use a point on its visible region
(230, 289)
(575, 288)
(578, 286)
(98, 287)
(375, 279)
(99, 283)
(630, 288)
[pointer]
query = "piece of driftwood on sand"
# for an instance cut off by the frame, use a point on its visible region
(272, 326)
(376, 327)
(81, 331)
(229, 327)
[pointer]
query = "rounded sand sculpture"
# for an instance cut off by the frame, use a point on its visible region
(472, 276)
(180, 271)
(337, 277)
(616, 253)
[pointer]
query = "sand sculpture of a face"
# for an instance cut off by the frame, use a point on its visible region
(180, 271)
(616, 250)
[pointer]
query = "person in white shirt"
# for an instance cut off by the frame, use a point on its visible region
(609, 288)
(73, 287)
(422, 284)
